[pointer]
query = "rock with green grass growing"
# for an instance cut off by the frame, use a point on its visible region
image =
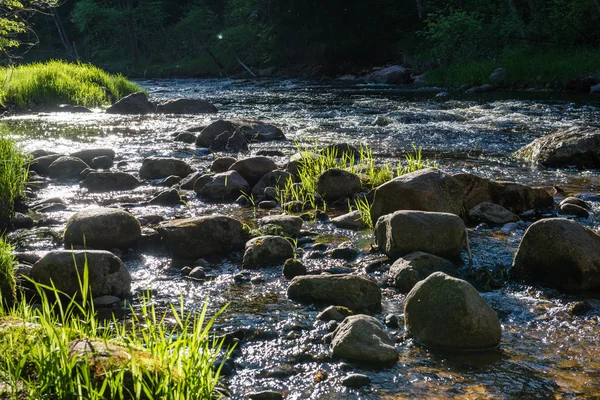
(102, 228)
(264, 251)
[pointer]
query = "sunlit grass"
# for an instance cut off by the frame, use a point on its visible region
(13, 174)
(7, 273)
(58, 82)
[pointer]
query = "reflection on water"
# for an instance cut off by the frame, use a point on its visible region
(546, 351)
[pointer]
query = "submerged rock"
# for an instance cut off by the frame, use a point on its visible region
(186, 106)
(425, 190)
(135, 103)
(447, 313)
(355, 292)
(404, 232)
(363, 338)
(559, 253)
(193, 238)
(414, 267)
(163, 167)
(109, 181)
(102, 228)
(107, 273)
(265, 251)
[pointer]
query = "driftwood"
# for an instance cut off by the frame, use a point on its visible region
(246, 67)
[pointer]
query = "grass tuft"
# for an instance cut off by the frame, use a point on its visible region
(7, 273)
(13, 175)
(57, 82)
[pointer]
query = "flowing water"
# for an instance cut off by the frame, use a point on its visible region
(546, 351)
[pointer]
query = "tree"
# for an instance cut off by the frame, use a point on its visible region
(14, 24)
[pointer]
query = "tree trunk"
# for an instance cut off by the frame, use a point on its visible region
(512, 7)
(62, 33)
(135, 50)
(420, 9)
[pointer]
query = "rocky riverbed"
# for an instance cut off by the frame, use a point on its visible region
(550, 339)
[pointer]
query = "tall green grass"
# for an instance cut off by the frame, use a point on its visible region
(541, 67)
(7, 273)
(57, 82)
(167, 355)
(13, 174)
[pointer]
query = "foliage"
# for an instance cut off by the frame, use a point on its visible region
(56, 82)
(13, 174)
(152, 357)
(7, 273)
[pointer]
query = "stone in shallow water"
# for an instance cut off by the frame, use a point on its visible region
(363, 338)
(102, 228)
(356, 380)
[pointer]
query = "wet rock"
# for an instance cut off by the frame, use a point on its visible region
(265, 395)
(513, 196)
(66, 168)
(492, 214)
(22, 221)
(170, 197)
(107, 273)
(426, 190)
(193, 238)
(171, 180)
(87, 155)
(595, 89)
(414, 267)
(97, 181)
(186, 106)
(336, 183)
(222, 164)
(404, 232)
(575, 200)
(101, 162)
(162, 167)
(334, 313)
(355, 292)
(579, 308)
(390, 75)
(106, 301)
(232, 142)
(447, 313)
(482, 89)
(351, 220)
(498, 77)
(392, 321)
(559, 253)
(41, 164)
(276, 179)
(102, 228)
(290, 224)
(252, 169)
(266, 251)
(293, 268)
(355, 380)
(573, 147)
(363, 338)
(185, 137)
(267, 204)
(189, 181)
(197, 273)
(345, 251)
(135, 103)
(258, 131)
(574, 209)
(221, 187)
(382, 120)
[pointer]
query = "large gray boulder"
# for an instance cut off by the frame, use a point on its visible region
(404, 232)
(221, 187)
(390, 75)
(109, 181)
(102, 228)
(425, 190)
(252, 169)
(492, 214)
(447, 313)
(414, 267)
(162, 167)
(355, 292)
(107, 273)
(264, 251)
(510, 195)
(186, 106)
(135, 103)
(66, 168)
(193, 238)
(352, 220)
(560, 253)
(363, 338)
(573, 147)
(336, 183)
(276, 179)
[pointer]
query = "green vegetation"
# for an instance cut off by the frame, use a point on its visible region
(13, 21)
(7, 273)
(57, 82)
(47, 351)
(13, 174)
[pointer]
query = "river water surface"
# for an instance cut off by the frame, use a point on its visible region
(546, 351)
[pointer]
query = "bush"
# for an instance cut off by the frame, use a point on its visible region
(58, 82)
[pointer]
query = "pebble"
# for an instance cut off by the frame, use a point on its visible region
(197, 273)
(265, 395)
(392, 321)
(356, 380)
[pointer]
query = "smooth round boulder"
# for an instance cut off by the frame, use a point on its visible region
(276, 179)
(66, 168)
(97, 181)
(107, 273)
(208, 135)
(226, 186)
(336, 183)
(293, 268)
(290, 224)
(559, 253)
(41, 164)
(446, 313)
(351, 291)
(186, 106)
(492, 214)
(352, 220)
(425, 190)
(404, 232)
(574, 209)
(162, 167)
(414, 267)
(575, 200)
(222, 164)
(193, 238)
(390, 75)
(87, 155)
(135, 103)
(252, 169)
(102, 228)
(264, 251)
(363, 338)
